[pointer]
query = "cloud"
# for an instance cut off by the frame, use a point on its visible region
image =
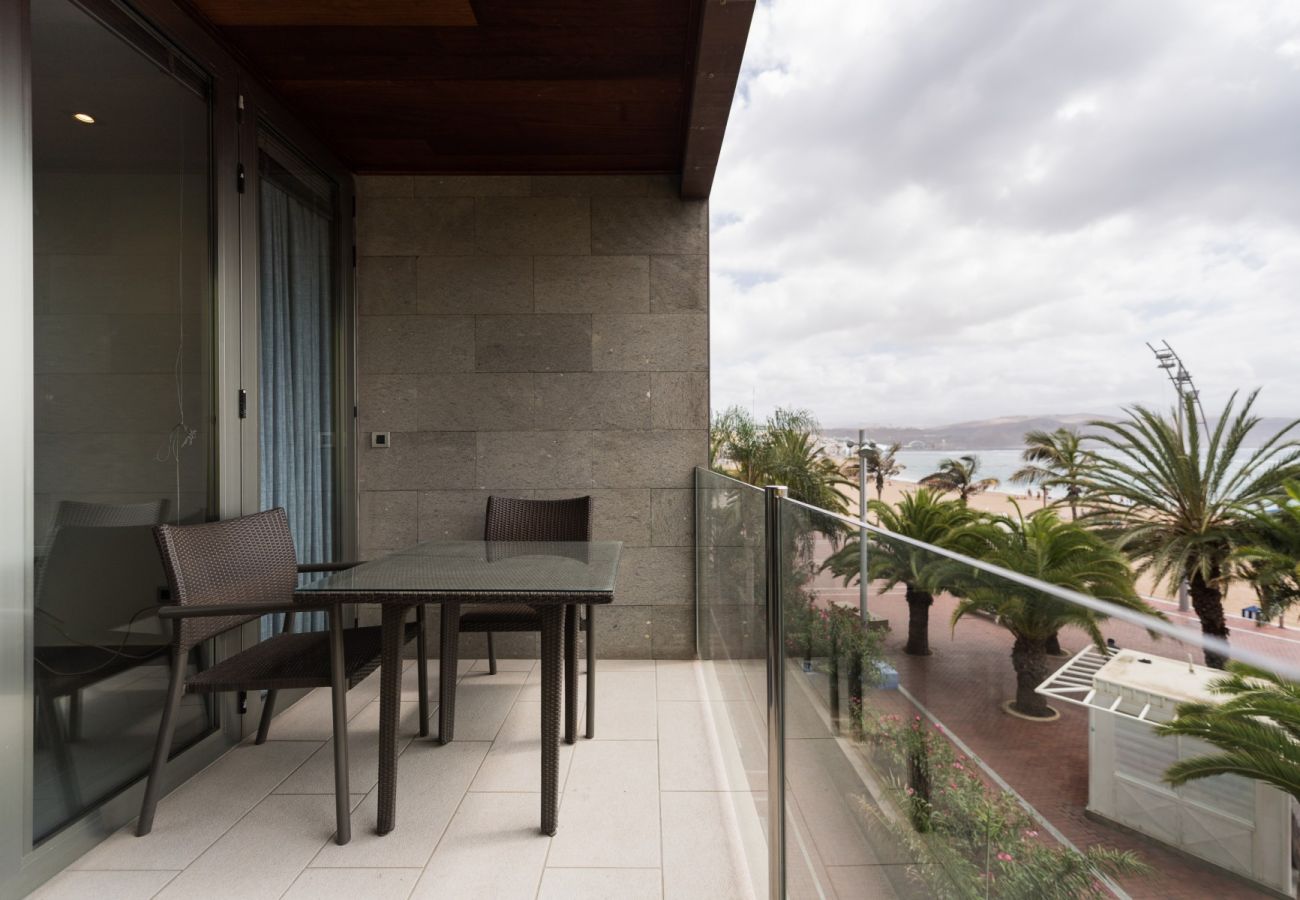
(931, 211)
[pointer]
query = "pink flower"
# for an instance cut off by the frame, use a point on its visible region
(959, 767)
(910, 792)
(1030, 833)
(1004, 856)
(952, 784)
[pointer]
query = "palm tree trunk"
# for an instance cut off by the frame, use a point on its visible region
(1054, 644)
(1207, 600)
(918, 622)
(1029, 657)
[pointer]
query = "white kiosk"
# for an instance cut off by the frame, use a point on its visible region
(1241, 825)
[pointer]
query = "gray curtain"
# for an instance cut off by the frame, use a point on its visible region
(296, 414)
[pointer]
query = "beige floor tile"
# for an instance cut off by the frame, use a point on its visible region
(263, 853)
(492, 850)
(431, 780)
(480, 666)
(679, 679)
(200, 811)
(698, 750)
(316, 775)
(514, 764)
(621, 665)
(601, 884)
(311, 718)
(353, 884)
(103, 885)
(609, 814)
(625, 706)
(704, 852)
(482, 704)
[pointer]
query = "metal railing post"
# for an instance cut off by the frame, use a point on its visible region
(775, 696)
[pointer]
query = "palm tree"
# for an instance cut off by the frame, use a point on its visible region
(735, 444)
(1270, 561)
(790, 457)
(924, 516)
(1055, 459)
(882, 464)
(959, 475)
(1177, 501)
(1049, 549)
(1257, 730)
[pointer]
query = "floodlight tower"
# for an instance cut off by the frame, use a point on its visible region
(1168, 360)
(1171, 363)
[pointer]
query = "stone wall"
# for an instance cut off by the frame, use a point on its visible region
(538, 337)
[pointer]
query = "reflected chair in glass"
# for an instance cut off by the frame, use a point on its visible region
(96, 578)
(225, 574)
(513, 519)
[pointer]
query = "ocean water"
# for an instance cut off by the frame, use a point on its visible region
(999, 464)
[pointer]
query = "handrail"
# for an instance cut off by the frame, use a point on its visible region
(1151, 623)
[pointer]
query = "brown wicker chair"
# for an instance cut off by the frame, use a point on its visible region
(513, 519)
(225, 574)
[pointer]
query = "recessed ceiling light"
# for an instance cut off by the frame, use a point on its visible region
(84, 118)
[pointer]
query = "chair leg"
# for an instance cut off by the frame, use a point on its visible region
(264, 723)
(591, 671)
(268, 707)
(339, 695)
(422, 667)
(570, 672)
(492, 655)
(447, 657)
(163, 747)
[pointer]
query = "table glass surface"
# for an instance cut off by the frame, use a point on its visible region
(462, 567)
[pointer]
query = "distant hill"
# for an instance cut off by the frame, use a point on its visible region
(1005, 432)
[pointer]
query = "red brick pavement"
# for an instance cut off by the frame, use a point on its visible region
(963, 685)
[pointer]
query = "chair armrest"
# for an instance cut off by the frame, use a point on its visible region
(238, 609)
(304, 568)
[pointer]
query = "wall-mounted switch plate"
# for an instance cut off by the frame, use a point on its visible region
(381, 439)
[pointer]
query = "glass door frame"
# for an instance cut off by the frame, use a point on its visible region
(22, 865)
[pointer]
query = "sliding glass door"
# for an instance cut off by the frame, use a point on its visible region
(124, 374)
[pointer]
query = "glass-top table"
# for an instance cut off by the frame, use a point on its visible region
(467, 568)
(553, 577)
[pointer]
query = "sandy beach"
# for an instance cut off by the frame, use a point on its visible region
(1240, 594)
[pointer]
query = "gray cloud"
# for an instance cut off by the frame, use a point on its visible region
(932, 210)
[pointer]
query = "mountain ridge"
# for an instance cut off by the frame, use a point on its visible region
(998, 433)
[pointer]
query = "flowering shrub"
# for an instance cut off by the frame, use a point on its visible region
(970, 839)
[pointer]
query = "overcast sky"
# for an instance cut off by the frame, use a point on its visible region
(928, 211)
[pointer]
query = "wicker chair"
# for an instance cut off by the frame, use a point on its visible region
(512, 519)
(226, 574)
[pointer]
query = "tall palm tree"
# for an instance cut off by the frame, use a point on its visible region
(1176, 499)
(1049, 549)
(1055, 459)
(735, 444)
(1257, 729)
(958, 475)
(924, 516)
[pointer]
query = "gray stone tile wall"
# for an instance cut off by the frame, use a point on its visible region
(539, 337)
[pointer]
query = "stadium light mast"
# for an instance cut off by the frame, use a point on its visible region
(1168, 360)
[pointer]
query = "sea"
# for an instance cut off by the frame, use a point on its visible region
(999, 464)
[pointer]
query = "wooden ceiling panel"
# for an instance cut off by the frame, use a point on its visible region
(446, 86)
(355, 13)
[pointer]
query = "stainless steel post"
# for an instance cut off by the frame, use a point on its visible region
(775, 698)
(862, 532)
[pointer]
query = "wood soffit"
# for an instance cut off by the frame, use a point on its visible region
(501, 86)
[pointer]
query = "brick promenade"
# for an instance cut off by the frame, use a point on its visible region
(969, 676)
